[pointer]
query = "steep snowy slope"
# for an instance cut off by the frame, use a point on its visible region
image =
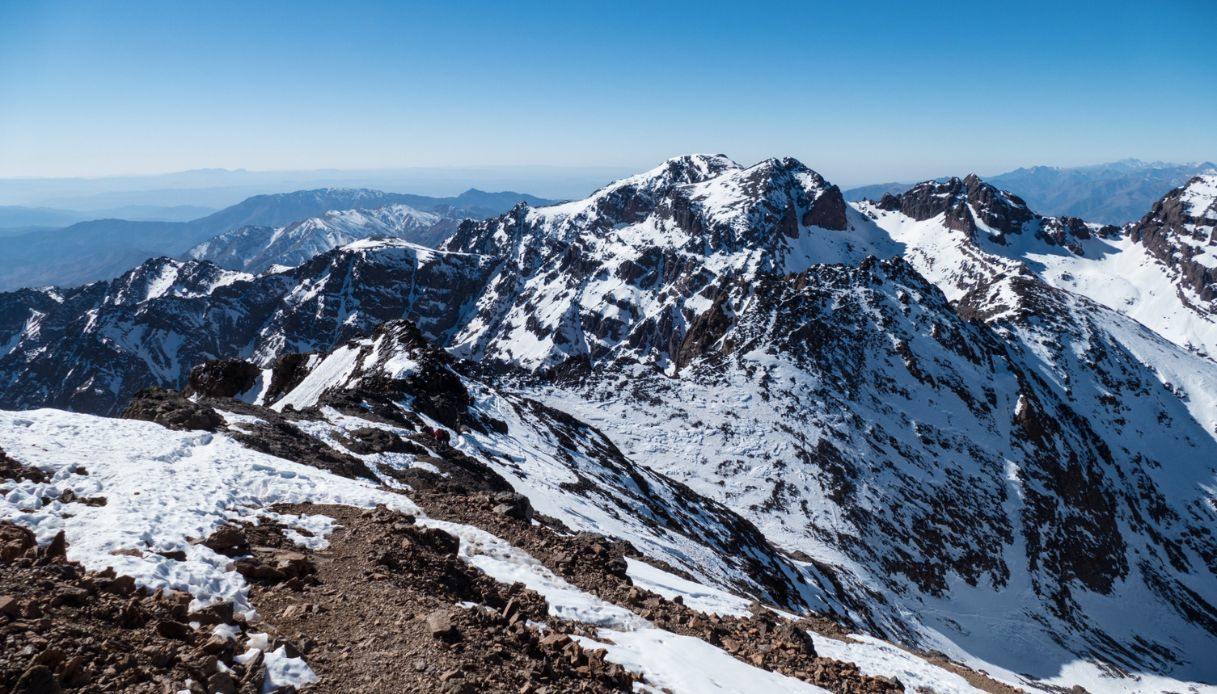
(568, 470)
(967, 234)
(851, 415)
(259, 248)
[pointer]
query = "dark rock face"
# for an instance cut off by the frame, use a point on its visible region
(286, 373)
(998, 209)
(18, 308)
(1181, 227)
(705, 330)
(828, 211)
(172, 410)
(1069, 231)
(280, 438)
(367, 440)
(964, 203)
(226, 378)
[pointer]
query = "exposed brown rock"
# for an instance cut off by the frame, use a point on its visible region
(172, 410)
(13, 470)
(228, 540)
(62, 628)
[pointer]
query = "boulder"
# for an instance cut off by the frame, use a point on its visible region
(172, 410)
(228, 540)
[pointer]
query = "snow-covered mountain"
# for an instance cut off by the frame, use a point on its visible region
(103, 248)
(1158, 271)
(787, 396)
(257, 249)
(93, 347)
(929, 407)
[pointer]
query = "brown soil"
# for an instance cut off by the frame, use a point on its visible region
(977, 679)
(382, 614)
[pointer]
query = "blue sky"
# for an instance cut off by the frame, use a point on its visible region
(862, 91)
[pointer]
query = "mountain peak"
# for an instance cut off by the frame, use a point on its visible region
(688, 168)
(1181, 232)
(966, 203)
(782, 164)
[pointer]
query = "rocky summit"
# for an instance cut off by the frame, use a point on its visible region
(710, 428)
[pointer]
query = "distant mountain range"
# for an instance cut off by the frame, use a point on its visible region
(17, 216)
(257, 249)
(219, 188)
(1112, 193)
(104, 248)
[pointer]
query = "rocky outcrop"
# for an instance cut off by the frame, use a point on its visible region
(226, 378)
(828, 211)
(1181, 232)
(1069, 232)
(963, 203)
(279, 437)
(286, 373)
(172, 410)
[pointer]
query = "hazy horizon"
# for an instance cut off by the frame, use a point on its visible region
(216, 188)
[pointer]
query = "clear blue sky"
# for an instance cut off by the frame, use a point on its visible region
(862, 91)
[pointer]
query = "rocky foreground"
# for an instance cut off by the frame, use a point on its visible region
(383, 604)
